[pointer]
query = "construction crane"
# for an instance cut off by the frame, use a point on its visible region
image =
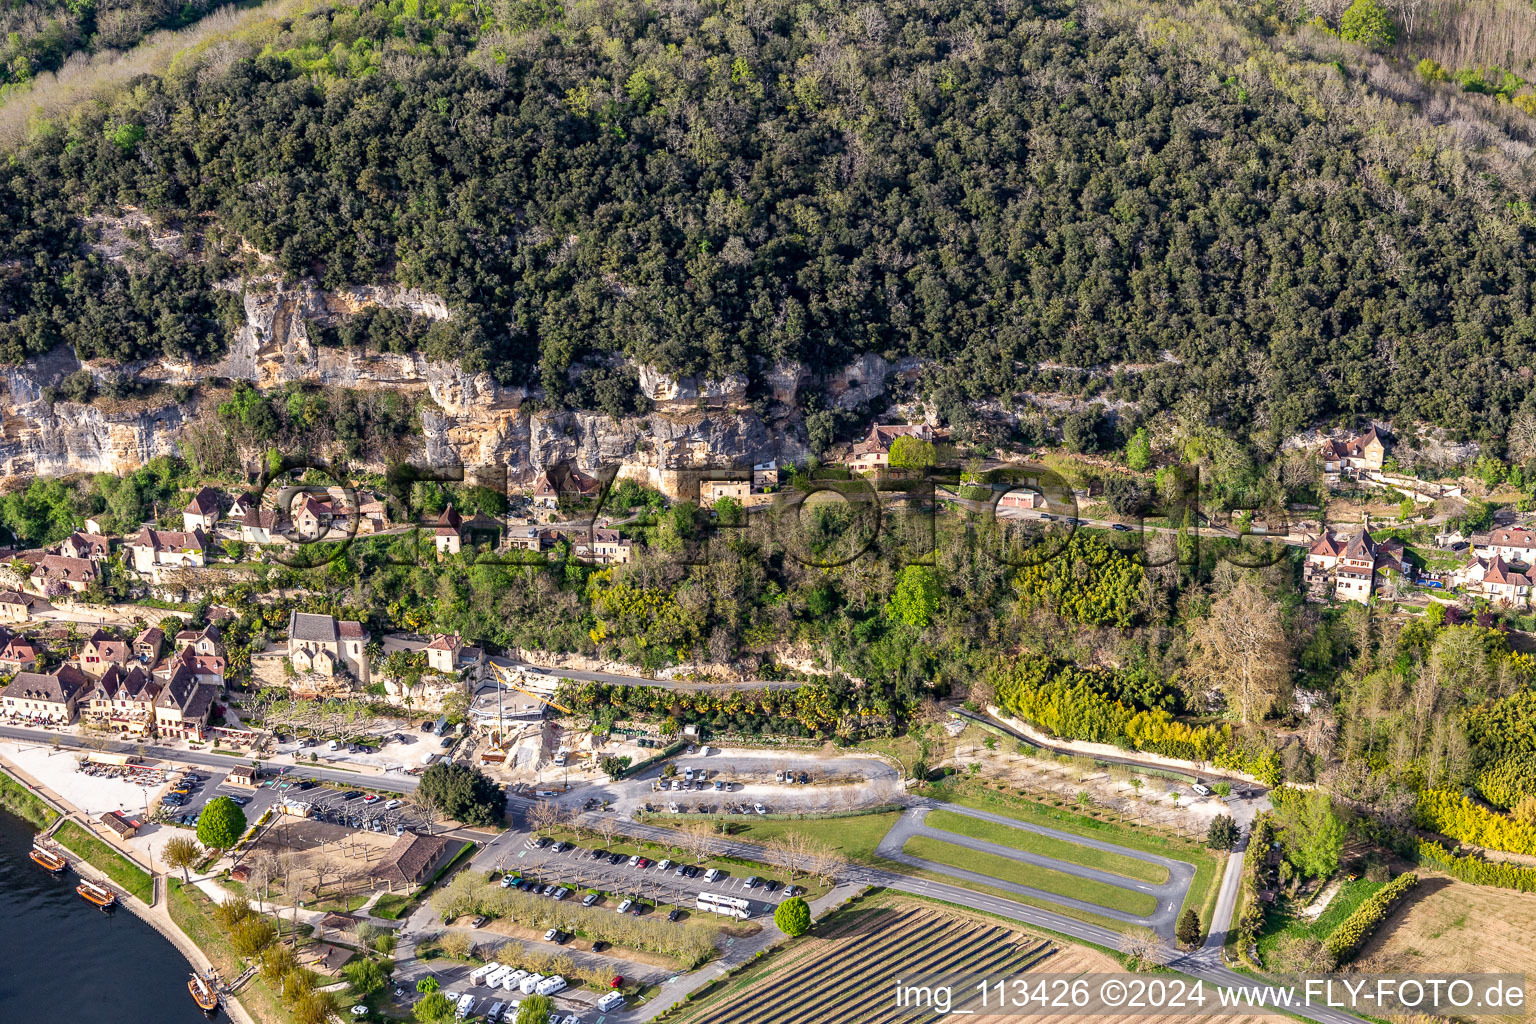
(504, 676)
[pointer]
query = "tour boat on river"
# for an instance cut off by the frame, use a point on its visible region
(99, 895)
(47, 860)
(203, 993)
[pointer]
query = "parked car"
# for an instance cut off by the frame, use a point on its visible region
(589, 899)
(372, 798)
(664, 864)
(615, 858)
(713, 874)
(674, 914)
(1201, 788)
(793, 890)
(509, 881)
(623, 908)
(479, 921)
(751, 882)
(392, 804)
(759, 808)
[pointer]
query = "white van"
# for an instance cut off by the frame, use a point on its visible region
(494, 1013)
(713, 874)
(609, 1001)
(549, 986)
(528, 984)
(1201, 788)
(333, 745)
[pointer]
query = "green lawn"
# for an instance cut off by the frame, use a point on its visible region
(1208, 863)
(856, 837)
(392, 906)
(22, 802)
(1045, 846)
(191, 910)
(1278, 924)
(1007, 870)
(132, 878)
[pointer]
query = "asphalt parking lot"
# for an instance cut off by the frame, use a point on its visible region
(348, 809)
(577, 869)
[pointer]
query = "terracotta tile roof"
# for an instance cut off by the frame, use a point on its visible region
(408, 861)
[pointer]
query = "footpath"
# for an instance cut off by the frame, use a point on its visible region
(156, 913)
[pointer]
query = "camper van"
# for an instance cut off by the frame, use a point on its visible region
(528, 984)
(511, 982)
(549, 986)
(609, 1001)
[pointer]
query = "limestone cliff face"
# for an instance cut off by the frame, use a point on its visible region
(468, 420)
(39, 440)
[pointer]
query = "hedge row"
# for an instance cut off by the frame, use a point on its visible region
(1475, 869)
(1352, 932)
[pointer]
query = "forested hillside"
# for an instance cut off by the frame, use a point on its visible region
(39, 35)
(1216, 210)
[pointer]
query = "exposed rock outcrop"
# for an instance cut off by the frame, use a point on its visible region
(468, 419)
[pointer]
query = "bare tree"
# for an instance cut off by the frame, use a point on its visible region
(261, 868)
(825, 862)
(1143, 946)
(608, 828)
(545, 815)
(1241, 650)
(292, 883)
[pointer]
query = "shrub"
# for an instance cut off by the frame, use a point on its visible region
(1223, 833)
(1188, 930)
(1352, 932)
(1476, 870)
(793, 916)
(221, 824)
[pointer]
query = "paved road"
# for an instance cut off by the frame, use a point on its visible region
(665, 684)
(1241, 787)
(1169, 895)
(1204, 963)
(1226, 898)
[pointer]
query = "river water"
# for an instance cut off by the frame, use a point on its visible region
(62, 959)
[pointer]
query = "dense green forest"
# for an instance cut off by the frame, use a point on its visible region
(1244, 225)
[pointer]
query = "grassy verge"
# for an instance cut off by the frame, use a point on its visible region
(1019, 873)
(192, 912)
(656, 851)
(1045, 846)
(17, 798)
(122, 871)
(855, 837)
(392, 906)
